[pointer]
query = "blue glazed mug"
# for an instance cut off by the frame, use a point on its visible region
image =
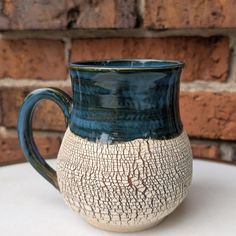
(125, 161)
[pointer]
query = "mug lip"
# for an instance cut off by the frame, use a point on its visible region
(90, 65)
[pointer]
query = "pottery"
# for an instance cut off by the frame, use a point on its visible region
(125, 161)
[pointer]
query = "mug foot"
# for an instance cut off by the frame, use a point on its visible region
(124, 228)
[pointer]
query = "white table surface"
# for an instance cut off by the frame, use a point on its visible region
(31, 206)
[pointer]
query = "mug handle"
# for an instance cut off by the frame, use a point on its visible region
(25, 133)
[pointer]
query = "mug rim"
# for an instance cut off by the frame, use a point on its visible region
(100, 65)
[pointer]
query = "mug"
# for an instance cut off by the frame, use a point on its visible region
(125, 161)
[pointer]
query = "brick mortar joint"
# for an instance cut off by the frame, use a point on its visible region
(232, 59)
(224, 146)
(27, 82)
(140, 12)
(208, 86)
(67, 52)
(134, 32)
(193, 86)
(227, 151)
(211, 141)
(4, 131)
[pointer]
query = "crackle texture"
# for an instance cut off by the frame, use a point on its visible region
(124, 186)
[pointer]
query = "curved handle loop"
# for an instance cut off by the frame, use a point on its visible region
(25, 134)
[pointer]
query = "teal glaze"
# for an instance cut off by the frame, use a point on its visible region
(113, 101)
(125, 100)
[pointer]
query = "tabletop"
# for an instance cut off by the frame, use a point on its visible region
(31, 206)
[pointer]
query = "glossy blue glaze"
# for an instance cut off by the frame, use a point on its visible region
(24, 126)
(124, 100)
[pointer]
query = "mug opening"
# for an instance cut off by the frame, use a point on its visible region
(126, 65)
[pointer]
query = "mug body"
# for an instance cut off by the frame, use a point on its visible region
(125, 161)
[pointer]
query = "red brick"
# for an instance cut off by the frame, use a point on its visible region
(206, 58)
(10, 151)
(47, 115)
(209, 115)
(167, 14)
(41, 14)
(4, 22)
(32, 58)
(203, 150)
(1, 112)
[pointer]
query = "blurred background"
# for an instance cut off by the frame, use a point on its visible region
(39, 38)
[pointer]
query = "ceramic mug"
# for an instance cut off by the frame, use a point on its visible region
(125, 161)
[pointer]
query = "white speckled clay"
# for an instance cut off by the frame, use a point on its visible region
(126, 186)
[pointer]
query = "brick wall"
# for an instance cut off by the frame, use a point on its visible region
(39, 38)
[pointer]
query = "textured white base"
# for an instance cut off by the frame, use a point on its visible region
(123, 228)
(125, 186)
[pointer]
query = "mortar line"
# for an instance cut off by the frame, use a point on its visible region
(67, 51)
(225, 146)
(208, 86)
(232, 60)
(11, 130)
(140, 12)
(104, 33)
(192, 86)
(226, 151)
(211, 141)
(26, 82)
